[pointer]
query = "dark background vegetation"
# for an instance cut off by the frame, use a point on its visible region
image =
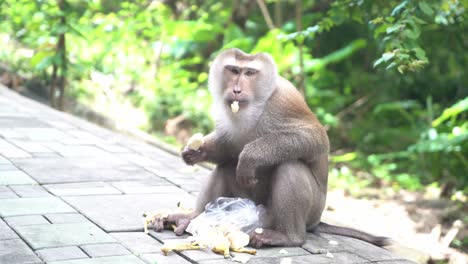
(387, 78)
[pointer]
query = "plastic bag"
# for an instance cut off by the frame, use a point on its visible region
(238, 212)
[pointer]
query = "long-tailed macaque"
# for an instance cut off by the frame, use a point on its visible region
(271, 149)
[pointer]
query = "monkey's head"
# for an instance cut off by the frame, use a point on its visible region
(238, 76)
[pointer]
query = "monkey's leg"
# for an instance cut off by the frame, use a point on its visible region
(295, 201)
(220, 183)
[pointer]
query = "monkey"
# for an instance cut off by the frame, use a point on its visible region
(272, 149)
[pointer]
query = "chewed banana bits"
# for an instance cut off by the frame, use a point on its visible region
(195, 141)
(235, 107)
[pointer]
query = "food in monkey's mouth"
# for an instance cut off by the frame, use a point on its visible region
(235, 106)
(195, 141)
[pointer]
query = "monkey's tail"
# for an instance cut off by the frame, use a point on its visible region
(349, 232)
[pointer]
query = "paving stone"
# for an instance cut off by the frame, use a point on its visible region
(20, 122)
(11, 177)
(26, 220)
(338, 258)
(113, 148)
(127, 216)
(4, 161)
(14, 152)
(15, 251)
(6, 232)
(7, 167)
(137, 159)
(82, 188)
(68, 175)
(314, 243)
(31, 146)
(60, 235)
(159, 258)
(105, 250)
(33, 206)
(138, 242)
(61, 253)
(6, 193)
(274, 252)
(45, 154)
(154, 186)
(363, 249)
(105, 260)
(106, 162)
(66, 218)
(398, 261)
(30, 191)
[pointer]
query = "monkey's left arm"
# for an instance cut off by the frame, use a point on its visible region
(301, 143)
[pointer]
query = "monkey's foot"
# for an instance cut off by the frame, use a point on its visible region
(269, 238)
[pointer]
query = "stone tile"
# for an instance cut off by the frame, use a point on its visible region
(153, 186)
(18, 121)
(6, 193)
(82, 188)
(26, 220)
(7, 167)
(4, 161)
(127, 216)
(61, 253)
(106, 162)
(68, 175)
(338, 258)
(137, 159)
(113, 148)
(30, 191)
(363, 249)
(14, 152)
(138, 242)
(315, 243)
(15, 251)
(61, 235)
(6, 232)
(105, 260)
(105, 250)
(66, 218)
(31, 146)
(274, 252)
(33, 206)
(159, 258)
(45, 155)
(11, 177)
(399, 261)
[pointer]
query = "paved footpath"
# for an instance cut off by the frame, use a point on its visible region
(74, 193)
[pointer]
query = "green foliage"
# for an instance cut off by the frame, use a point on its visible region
(387, 78)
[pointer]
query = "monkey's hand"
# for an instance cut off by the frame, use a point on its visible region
(245, 176)
(192, 156)
(178, 221)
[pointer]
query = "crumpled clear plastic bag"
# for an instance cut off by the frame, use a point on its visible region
(239, 212)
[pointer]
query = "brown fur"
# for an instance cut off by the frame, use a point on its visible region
(274, 151)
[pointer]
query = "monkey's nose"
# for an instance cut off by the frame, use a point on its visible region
(237, 91)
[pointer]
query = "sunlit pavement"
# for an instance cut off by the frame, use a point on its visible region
(74, 193)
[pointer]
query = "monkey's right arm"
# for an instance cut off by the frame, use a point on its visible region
(213, 150)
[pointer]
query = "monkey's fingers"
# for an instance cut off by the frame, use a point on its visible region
(182, 224)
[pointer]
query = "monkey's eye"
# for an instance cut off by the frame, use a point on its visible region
(234, 70)
(250, 72)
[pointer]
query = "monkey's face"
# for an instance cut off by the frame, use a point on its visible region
(241, 77)
(240, 85)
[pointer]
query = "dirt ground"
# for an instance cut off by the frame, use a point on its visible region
(421, 227)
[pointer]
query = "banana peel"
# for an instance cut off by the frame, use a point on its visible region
(222, 240)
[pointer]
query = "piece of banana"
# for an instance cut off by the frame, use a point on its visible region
(195, 141)
(235, 107)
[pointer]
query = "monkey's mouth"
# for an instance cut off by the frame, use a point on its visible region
(242, 102)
